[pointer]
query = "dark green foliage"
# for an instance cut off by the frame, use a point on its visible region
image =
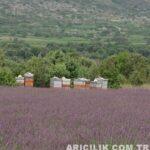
(126, 67)
(2, 58)
(114, 78)
(72, 67)
(17, 67)
(18, 49)
(136, 78)
(6, 77)
(60, 70)
(109, 70)
(40, 70)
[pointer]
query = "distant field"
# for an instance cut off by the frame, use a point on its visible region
(49, 119)
(41, 41)
(137, 39)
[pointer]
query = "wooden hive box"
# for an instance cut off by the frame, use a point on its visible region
(81, 83)
(28, 79)
(87, 84)
(78, 83)
(66, 83)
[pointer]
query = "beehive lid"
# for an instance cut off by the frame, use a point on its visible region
(56, 79)
(100, 79)
(82, 79)
(28, 74)
(20, 77)
(65, 79)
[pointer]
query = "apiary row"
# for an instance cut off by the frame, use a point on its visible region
(55, 82)
(80, 83)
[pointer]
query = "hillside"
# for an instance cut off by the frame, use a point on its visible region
(40, 22)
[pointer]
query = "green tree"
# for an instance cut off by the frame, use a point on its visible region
(131, 64)
(54, 57)
(17, 67)
(39, 68)
(60, 70)
(94, 71)
(109, 70)
(136, 78)
(2, 58)
(124, 64)
(6, 77)
(72, 68)
(83, 72)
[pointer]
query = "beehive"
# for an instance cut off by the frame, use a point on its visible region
(99, 83)
(20, 80)
(56, 82)
(66, 83)
(93, 84)
(81, 83)
(105, 84)
(28, 79)
(87, 84)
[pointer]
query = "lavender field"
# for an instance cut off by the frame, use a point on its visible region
(49, 119)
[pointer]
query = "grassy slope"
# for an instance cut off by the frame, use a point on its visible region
(63, 22)
(42, 42)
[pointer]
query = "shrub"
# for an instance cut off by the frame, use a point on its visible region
(6, 77)
(136, 78)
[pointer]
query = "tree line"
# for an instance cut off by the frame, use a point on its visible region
(119, 69)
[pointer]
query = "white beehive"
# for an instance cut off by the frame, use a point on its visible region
(56, 82)
(66, 83)
(20, 80)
